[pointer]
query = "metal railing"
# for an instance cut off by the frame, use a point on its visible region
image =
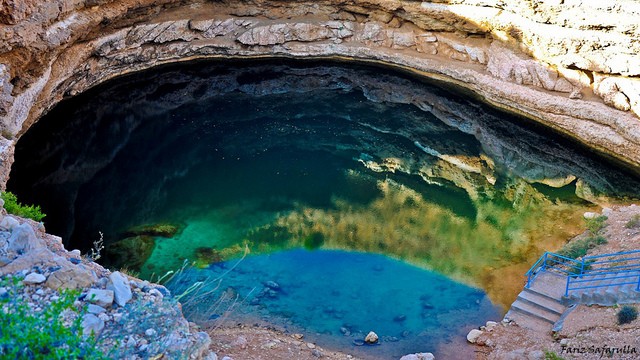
(553, 262)
(622, 268)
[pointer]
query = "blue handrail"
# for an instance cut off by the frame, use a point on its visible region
(620, 264)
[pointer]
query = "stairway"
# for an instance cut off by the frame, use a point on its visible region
(539, 307)
(612, 288)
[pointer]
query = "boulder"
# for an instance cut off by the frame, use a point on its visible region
(95, 309)
(23, 239)
(102, 298)
(121, 288)
(371, 338)
(9, 223)
(71, 278)
(473, 336)
(92, 324)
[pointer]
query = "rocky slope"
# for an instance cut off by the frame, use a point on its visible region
(130, 318)
(572, 65)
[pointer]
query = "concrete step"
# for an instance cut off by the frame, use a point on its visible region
(529, 322)
(542, 300)
(535, 311)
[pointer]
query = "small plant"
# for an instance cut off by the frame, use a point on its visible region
(12, 206)
(627, 314)
(98, 246)
(578, 248)
(595, 224)
(550, 355)
(634, 222)
(45, 334)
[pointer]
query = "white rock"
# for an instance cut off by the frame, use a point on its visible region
(75, 252)
(371, 338)
(150, 332)
(34, 278)
(95, 309)
(227, 358)
(119, 284)
(473, 335)
(418, 356)
(491, 324)
(24, 239)
(590, 215)
(211, 356)
(536, 355)
(100, 297)
(9, 222)
(91, 324)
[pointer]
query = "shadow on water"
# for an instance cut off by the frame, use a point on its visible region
(282, 156)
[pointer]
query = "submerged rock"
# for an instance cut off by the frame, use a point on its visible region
(162, 230)
(130, 253)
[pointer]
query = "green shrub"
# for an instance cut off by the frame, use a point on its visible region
(627, 314)
(578, 248)
(29, 334)
(596, 224)
(550, 355)
(12, 206)
(634, 222)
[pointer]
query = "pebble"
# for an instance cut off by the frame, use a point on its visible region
(227, 358)
(34, 278)
(150, 332)
(75, 252)
(317, 353)
(297, 336)
(311, 346)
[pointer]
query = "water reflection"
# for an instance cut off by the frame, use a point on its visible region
(281, 156)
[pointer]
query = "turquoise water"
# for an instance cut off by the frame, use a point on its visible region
(337, 297)
(419, 209)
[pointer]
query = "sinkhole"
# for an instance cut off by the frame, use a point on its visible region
(325, 198)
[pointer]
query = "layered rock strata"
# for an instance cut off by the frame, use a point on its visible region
(572, 65)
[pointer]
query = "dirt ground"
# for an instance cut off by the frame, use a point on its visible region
(589, 332)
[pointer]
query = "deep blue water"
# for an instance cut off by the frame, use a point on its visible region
(337, 297)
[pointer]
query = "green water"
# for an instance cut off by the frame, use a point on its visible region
(270, 158)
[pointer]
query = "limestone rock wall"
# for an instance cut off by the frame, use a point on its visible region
(571, 65)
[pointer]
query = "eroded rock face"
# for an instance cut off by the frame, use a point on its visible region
(570, 65)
